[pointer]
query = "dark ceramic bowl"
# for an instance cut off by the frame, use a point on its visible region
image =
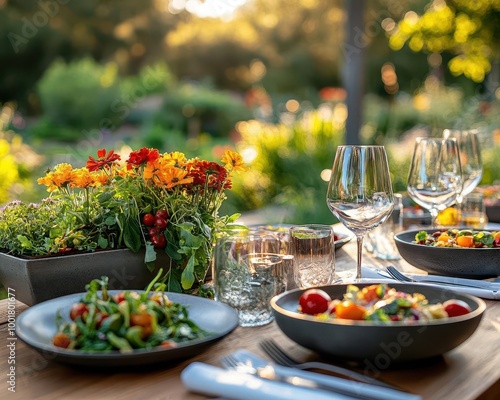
(493, 213)
(460, 262)
(377, 343)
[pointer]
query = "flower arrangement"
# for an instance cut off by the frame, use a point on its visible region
(163, 202)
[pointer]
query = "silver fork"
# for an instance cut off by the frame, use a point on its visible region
(228, 361)
(278, 355)
(396, 274)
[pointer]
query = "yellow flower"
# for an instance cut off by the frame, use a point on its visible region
(175, 158)
(62, 174)
(233, 161)
(81, 178)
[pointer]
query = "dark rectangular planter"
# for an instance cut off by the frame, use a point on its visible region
(39, 279)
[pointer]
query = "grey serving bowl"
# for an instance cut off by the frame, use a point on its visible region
(459, 262)
(374, 343)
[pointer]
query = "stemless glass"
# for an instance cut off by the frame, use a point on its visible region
(360, 191)
(470, 161)
(435, 178)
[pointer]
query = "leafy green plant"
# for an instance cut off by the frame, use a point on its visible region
(80, 95)
(162, 202)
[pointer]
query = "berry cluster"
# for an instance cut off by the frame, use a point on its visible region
(157, 224)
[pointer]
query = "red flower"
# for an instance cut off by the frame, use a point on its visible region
(143, 156)
(104, 160)
(214, 174)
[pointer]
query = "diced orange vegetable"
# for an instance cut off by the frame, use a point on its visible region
(61, 340)
(348, 310)
(443, 238)
(370, 293)
(497, 235)
(465, 241)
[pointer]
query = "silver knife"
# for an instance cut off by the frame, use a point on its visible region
(269, 372)
(455, 281)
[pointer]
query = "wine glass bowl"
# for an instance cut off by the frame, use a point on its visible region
(470, 159)
(435, 177)
(360, 190)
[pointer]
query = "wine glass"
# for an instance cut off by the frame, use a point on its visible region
(360, 190)
(470, 160)
(435, 178)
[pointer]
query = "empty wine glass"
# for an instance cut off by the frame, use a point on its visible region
(435, 178)
(470, 161)
(360, 191)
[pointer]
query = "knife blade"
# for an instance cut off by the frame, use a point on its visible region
(455, 281)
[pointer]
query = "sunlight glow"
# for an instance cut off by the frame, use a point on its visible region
(206, 8)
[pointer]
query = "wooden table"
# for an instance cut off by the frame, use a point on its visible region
(472, 371)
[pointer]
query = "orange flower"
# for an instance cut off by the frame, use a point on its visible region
(233, 161)
(81, 178)
(171, 176)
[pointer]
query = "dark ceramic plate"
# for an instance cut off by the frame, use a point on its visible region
(36, 326)
(342, 238)
(380, 343)
(460, 262)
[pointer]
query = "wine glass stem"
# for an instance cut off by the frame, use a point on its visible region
(360, 252)
(434, 215)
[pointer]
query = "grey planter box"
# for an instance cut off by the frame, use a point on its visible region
(40, 279)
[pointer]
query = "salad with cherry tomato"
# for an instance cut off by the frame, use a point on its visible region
(378, 302)
(459, 238)
(128, 320)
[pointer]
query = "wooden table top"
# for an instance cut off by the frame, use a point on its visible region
(471, 371)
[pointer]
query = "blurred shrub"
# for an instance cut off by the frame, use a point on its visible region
(80, 95)
(17, 160)
(195, 109)
(287, 162)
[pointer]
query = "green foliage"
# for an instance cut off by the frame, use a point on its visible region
(467, 29)
(80, 95)
(289, 160)
(196, 109)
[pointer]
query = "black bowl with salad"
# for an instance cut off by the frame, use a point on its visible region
(452, 252)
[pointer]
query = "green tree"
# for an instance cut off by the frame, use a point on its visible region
(470, 30)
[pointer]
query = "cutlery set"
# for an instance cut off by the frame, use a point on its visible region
(274, 381)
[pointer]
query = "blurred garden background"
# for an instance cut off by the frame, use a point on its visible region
(266, 78)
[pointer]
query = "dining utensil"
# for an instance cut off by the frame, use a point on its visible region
(478, 263)
(227, 384)
(374, 344)
(346, 386)
(270, 373)
(435, 177)
(360, 193)
(278, 355)
(36, 326)
(396, 274)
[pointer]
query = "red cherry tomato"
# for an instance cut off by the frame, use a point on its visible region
(159, 241)
(61, 340)
(78, 310)
(148, 219)
(152, 231)
(160, 224)
(314, 301)
(454, 308)
(162, 214)
(119, 297)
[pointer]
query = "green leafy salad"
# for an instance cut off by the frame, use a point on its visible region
(125, 321)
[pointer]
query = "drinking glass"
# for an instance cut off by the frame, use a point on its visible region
(470, 161)
(360, 191)
(313, 250)
(435, 178)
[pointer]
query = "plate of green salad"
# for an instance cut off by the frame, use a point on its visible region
(102, 328)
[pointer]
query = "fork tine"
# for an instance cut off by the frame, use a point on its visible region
(228, 361)
(276, 353)
(397, 275)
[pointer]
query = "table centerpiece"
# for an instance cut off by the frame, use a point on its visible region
(164, 207)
